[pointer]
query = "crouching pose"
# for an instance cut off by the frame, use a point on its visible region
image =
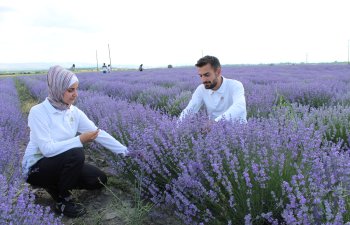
(54, 157)
(223, 98)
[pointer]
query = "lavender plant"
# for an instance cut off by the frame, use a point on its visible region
(286, 166)
(17, 204)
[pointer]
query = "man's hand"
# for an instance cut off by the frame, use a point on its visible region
(88, 136)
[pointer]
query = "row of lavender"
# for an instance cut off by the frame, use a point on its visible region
(323, 87)
(279, 169)
(16, 201)
(170, 90)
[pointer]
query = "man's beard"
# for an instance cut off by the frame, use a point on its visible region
(210, 85)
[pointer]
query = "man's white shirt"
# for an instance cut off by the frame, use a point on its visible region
(228, 102)
(53, 132)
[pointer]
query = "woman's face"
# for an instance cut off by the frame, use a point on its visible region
(71, 94)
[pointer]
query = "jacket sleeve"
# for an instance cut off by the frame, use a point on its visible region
(105, 139)
(194, 105)
(237, 111)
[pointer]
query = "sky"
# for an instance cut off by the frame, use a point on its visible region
(162, 32)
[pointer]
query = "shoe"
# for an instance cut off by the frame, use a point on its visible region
(70, 208)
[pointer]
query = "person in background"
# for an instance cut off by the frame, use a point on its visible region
(141, 67)
(54, 157)
(109, 68)
(72, 68)
(104, 68)
(224, 98)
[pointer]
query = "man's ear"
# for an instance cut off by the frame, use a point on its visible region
(218, 71)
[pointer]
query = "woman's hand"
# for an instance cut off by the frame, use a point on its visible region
(88, 136)
(135, 154)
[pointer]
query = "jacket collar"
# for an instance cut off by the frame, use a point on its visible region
(221, 89)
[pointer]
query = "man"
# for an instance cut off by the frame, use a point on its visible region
(223, 98)
(72, 68)
(104, 68)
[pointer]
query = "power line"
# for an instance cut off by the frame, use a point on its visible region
(349, 52)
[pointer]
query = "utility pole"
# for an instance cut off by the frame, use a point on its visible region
(202, 53)
(96, 61)
(348, 52)
(110, 61)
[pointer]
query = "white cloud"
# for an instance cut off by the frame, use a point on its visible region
(4, 9)
(162, 32)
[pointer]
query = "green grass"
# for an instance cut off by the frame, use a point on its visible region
(135, 213)
(27, 101)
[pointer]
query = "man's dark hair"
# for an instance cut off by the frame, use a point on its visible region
(212, 60)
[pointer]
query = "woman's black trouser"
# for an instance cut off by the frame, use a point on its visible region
(61, 173)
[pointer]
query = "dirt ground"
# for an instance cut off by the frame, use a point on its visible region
(113, 205)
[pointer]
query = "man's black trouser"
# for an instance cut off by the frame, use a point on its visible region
(64, 172)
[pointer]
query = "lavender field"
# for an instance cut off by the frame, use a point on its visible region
(289, 164)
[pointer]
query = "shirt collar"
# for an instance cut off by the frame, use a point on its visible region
(221, 89)
(52, 109)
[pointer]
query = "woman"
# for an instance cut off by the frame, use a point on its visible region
(54, 158)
